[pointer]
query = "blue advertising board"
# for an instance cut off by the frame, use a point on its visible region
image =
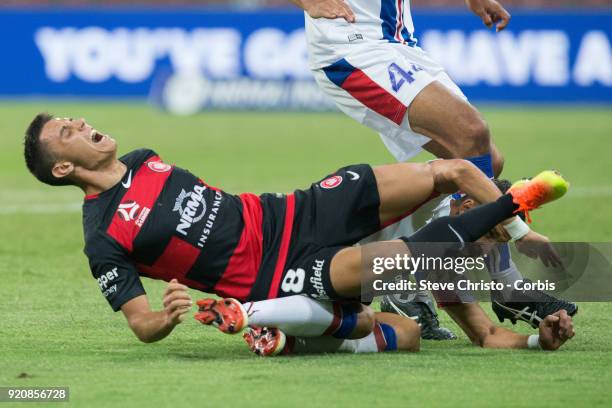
(258, 59)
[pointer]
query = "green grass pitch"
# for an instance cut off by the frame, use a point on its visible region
(58, 330)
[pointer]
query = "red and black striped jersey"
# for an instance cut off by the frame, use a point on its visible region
(163, 222)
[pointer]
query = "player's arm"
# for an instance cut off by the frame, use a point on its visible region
(326, 9)
(554, 329)
(120, 284)
(491, 13)
(150, 326)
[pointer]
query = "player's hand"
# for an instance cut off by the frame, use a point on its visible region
(177, 302)
(536, 246)
(329, 9)
(491, 12)
(555, 330)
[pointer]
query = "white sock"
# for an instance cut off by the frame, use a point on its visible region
(329, 344)
(294, 315)
(502, 269)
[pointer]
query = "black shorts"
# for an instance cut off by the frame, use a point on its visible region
(334, 213)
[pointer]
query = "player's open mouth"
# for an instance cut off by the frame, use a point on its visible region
(96, 137)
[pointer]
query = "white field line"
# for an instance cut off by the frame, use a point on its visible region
(27, 207)
(55, 208)
(587, 192)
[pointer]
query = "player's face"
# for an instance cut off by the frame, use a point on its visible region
(74, 140)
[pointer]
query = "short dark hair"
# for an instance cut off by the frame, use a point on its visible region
(38, 158)
(503, 185)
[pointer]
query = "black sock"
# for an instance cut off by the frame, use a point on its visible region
(467, 227)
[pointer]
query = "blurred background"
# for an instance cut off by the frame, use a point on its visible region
(239, 70)
(258, 3)
(186, 56)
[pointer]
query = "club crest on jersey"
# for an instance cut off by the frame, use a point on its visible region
(191, 206)
(331, 182)
(159, 167)
(130, 211)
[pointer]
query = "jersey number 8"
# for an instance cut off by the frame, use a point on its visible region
(293, 281)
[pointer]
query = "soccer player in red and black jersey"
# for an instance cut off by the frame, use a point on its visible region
(143, 217)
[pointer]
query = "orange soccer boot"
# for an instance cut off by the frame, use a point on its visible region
(227, 315)
(530, 194)
(265, 341)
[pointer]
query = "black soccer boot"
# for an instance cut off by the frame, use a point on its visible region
(530, 306)
(422, 312)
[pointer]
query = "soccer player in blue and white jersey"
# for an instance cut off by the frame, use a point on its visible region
(364, 55)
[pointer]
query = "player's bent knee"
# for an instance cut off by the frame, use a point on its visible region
(472, 137)
(497, 161)
(365, 323)
(408, 336)
(407, 331)
(477, 138)
(345, 272)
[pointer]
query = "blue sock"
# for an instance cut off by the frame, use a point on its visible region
(484, 163)
(390, 336)
(348, 322)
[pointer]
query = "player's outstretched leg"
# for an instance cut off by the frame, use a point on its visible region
(345, 271)
(391, 333)
(294, 315)
(524, 196)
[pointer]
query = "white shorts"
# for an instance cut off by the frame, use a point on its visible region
(376, 83)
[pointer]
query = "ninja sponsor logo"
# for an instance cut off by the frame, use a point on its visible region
(210, 220)
(193, 209)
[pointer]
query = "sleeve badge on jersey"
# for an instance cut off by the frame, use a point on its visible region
(159, 167)
(331, 182)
